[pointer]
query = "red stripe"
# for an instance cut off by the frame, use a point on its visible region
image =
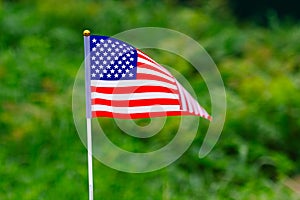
(209, 117)
(143, 115)
(179, 94)
(191, 100)
(153, 77)
(144, 65)
(188, 102)
(132, 89)
(134, 115)
(146, 57)
(133, 103)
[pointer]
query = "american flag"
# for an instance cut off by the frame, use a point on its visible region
(126, 83)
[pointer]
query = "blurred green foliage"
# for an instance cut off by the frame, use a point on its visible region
(41, 155)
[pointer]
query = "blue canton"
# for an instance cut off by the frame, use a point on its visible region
(112, 59)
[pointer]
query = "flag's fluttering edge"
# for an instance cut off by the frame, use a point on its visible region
(126, 83)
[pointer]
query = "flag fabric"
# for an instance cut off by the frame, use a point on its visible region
(126, 83)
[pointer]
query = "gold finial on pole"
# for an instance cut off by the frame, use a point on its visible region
(86, 33)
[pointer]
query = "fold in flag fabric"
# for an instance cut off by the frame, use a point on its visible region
(126, 83)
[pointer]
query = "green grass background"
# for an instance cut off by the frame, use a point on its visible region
(41, 155)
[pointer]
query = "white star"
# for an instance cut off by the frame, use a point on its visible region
(97, 53)
(93, 58)
(108, 66)
(120, 54)
(124, 50)
(109, 49)
(127, 70)
(93, 74)
(105, 44)
(108, 75)
(123, 75)
(116, 75)
(116, 66)
(117, 42)
(131, 74)
(124, 58)
(98, 44)
(116, 49)
(119, 71)
(101, 40)
(112, 53)
(93, 66)
(113, 45)
(94, 49)
(127, 54)
(101, 49)
(108, 41)
(131, 59)
(101, 75)
(124, 45)
(132, 52)
(127, 62)
(112, 62)
(94, 40)
(120, 62)
(105, 54)
(101, 58)
(121, 47)
(116, 57)
(104, 62)
(97, 71)
(112, 71)
(131, 66)
(123, 66)
(104, 71)
(101, 66)
(97, 62)
(108, 57)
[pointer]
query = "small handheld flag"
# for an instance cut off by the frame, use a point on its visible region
(123, 82)
(126, 83)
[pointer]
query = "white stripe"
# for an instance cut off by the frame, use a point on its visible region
(128, 83)
(134, 96)
(183, 102)
(159, 66)
(190, 109)
(152, 72)
(141, 60)
(195, 106)
(139, 52)
(191, 100)
(145, 55)
(137, 109)
(202, 111)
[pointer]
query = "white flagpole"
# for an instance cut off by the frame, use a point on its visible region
(90, 160)
(86, 35)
